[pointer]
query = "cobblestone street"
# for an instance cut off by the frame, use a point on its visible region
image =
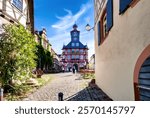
(71, 85)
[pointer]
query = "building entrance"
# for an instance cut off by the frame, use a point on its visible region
(76, 66)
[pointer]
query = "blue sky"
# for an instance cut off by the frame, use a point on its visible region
(58, 17)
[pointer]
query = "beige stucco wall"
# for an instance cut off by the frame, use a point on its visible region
(117, 56)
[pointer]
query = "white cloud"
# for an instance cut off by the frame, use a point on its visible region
(64, 25)
(68, 20)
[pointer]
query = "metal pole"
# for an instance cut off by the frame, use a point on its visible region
(60, 96)
(1, 94)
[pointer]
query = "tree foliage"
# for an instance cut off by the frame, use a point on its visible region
(17, 54)
(49, 60)
(44, 60)
(41, 57)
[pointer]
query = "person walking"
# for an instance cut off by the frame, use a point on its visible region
(73, 70)
(63, 70)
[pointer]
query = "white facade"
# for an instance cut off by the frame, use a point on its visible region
(14, 11)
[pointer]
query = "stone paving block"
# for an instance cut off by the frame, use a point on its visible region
(73, 87)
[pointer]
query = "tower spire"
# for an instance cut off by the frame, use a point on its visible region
(75, 26)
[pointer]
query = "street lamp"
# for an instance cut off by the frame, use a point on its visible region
(88, 27)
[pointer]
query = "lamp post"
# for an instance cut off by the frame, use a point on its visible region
(88, 27)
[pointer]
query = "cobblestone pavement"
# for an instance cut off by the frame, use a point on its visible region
(71, 85)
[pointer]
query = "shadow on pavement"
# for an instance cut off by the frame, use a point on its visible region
(89, 94)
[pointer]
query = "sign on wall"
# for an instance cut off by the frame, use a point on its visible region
(18, 4)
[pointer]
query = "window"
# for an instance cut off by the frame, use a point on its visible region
(72, 44)
(73, 50)
(104, 25)
(77, 44)
(124, 4)
(18, 4)
(81, 50)
(69, 57)
(99, 32)
(109, 17)
(81, 57)
(77, 51)
(68, 50)
(98, 6)
(73, 57)
(75, 38)
(75, 33)
(77, 56)
(106, 22)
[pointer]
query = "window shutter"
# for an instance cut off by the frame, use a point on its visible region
(99, 33)
(109, 14)
(124, 4)
(144, 81)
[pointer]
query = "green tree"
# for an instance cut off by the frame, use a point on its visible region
(49, 60)
(17, 54)
(44, 60)
(41, 57)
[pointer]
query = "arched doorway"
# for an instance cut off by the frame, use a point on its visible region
(69, 67)
(142, 76)
(76, 67)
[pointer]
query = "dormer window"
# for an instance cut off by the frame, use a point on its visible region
(77, 44)
(72, 44)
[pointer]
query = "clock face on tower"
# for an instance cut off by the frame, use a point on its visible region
(75, 34)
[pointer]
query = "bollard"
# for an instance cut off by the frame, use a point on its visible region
(1, 94)
(60, 96)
